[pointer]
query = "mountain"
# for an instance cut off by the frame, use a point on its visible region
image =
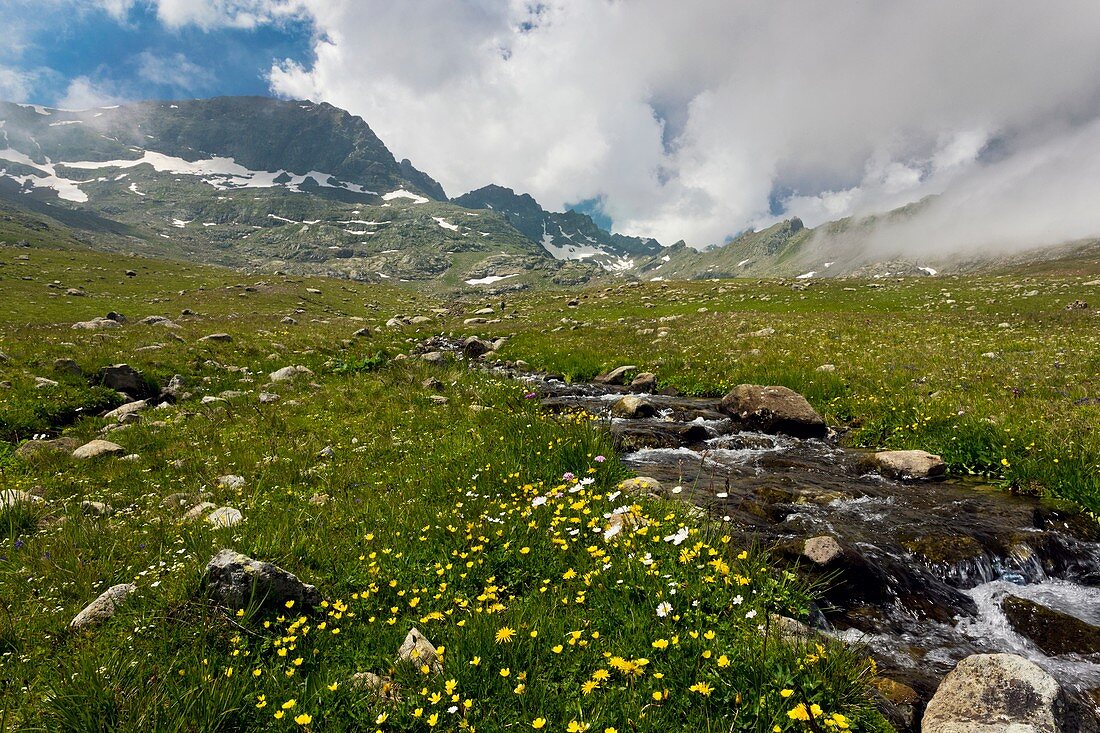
(567, 236)
(261, 184)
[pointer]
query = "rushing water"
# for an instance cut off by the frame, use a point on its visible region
(927, 564)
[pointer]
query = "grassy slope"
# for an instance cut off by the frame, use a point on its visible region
(430, 523)
(991, 372)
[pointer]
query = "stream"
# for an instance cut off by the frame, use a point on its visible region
(926, 564)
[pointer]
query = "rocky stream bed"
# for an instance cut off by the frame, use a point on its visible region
(923, 573)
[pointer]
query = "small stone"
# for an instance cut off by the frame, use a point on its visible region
(642, 485)
(129, 409)
(230, 481)
(313, 291)
(95, 508)
(98, 448)
(222, 338)
(199, 510)
(289, 321)
(362, 333)
(11, 497)
(320, 499)
(75, 292)
(67, 366)
(826, 368)
(433, 384)
(438, 399)
(822, 550)
(417, 650)
(433, 357)
(382, 688)
(288, 373)
(103, 607)
(327, 452)
(225, 516)
(267, 398)
(43, 383)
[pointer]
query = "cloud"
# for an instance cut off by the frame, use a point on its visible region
(702, 118)
(209, 14)
(84, 93)
(174, 70)
(16, 84)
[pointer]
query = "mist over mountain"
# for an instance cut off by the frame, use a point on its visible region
(271, 184)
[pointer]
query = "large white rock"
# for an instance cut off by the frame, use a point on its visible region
(996, 693)
(97, 448)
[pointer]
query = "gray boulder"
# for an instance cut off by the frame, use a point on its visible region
(97, 449)
(908, 464)
(225, 516)
(773, 410)
(103, 607)
(473, 347)
(130, 408)
(220, 338)
(235, 581)
(644, 382)
(123, 378)
(997, 693)
(631, 408)
(615, 376)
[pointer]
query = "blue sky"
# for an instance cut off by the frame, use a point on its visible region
(71, 52)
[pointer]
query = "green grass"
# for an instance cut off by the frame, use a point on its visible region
(990, 372)
(435, 518)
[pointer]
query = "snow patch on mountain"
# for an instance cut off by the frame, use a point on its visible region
(403, 194)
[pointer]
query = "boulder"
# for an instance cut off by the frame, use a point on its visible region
(235, 581)
(419, 651)
(288, 373)
(995, 693)
(123, 378)
(908, 464)
(103, 607)
(98, 448)
(644, 382)
(221, 338)
(473, 347)
(615, 376)
(42, 383)
(773, 410)
(37, 448)
(96, 324)
(1052, 631)
(631, 408)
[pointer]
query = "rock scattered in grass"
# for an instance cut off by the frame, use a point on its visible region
(122, 378)
(230, 481)
(236, 581)
(289, 372)
(225, 516)
(11, 497)
(419, 651)
(221, 338)
(103, 607)
(97, 449)
(127, 410)
(95, 508)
